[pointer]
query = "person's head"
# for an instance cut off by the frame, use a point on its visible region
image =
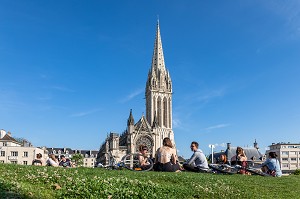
(194, 146)
(240, 151)
(223, 158)
(52, 156)
(167, 142)
(39, 156)
(63, 158)
(272, 155)
(143, 149)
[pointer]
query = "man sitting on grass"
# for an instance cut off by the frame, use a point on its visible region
(198, 162)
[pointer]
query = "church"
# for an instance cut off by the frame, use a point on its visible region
(149, 130)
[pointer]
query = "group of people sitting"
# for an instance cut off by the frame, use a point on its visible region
(167, 160)
(52, 161)
(270, 166)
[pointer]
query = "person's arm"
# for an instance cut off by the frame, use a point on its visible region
(156, 156)
(53, 163)
(192, 159)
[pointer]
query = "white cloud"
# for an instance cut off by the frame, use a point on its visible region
(61, 88)
(211, 95)
(176, 123)
(84, 113)
(132, 95)
(218, 126)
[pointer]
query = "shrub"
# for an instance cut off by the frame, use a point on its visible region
(297, 172)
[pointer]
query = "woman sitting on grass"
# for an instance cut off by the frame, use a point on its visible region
(52, 161)
(271, 165)
(143, 157)
(38, 161)
(240, 159)
(166, 158)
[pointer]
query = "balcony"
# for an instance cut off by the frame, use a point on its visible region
(12, 157)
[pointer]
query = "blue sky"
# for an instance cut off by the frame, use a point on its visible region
(71, 70)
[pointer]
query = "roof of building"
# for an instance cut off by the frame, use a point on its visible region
(7, 137)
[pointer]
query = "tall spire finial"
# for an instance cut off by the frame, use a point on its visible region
(157, 19)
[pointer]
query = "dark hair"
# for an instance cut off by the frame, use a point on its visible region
(141, 147)
(272, 155)
(62, 156)
(167, 142)
(195, 143)
(39, 155)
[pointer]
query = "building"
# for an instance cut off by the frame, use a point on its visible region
(12, 151)
(288, 155)
(156, 125)
(253, 154)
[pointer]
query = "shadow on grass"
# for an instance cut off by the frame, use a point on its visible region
(7, 193)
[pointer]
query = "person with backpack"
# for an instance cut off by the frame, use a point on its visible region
(271, 165)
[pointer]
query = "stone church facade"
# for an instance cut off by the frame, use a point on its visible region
(150, 130)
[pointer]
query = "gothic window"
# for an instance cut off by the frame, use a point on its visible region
(144, 140)
(170, 113)
(165, 111)
(159, 111)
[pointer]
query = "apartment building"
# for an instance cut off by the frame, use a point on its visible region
(288, 154)
(12, 151)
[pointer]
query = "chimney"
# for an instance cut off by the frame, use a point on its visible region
(2, 133)
(228, 146)
(9, 133)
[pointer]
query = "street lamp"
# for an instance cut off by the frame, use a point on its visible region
(212, 152)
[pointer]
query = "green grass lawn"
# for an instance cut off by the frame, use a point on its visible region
(18, 181)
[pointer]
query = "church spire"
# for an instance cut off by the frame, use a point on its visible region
(158, 62)
(130, 120)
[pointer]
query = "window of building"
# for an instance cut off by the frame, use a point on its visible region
(14, 153)
(14, 162)
(59, 151)
(293, 159)
(86, 155)
(293, 152)
(4, 144)
(285, 165)
(25, 162)
(92, 163)
(283, 147)
(25, 154)
(284, 159)
(290, 147)
(92, 155)
(85, 164)
(53, 151)
(2, 153)
(285, 153)
(86, 159)
(293, 165)
(67, 152)
(2, 161)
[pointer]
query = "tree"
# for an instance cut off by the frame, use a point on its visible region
(78, 159)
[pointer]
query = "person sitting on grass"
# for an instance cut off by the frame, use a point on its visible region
(271, 165)
(240, 159)
(198, 162)
(65, 162)
(143, 157)
(222, 159)
(52, 161)
(38, 160)
(166, 158)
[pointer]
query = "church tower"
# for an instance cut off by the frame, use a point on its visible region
(158, 94)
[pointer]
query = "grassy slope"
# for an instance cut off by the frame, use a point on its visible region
(47, 182)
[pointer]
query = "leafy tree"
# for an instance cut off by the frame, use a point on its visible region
(78, 159)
